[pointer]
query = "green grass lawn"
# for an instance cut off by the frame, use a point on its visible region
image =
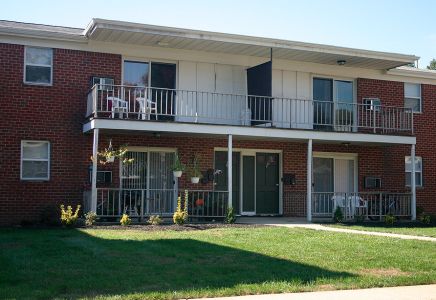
(409, 229)
(135, 264)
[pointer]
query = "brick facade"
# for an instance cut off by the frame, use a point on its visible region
(56, 114)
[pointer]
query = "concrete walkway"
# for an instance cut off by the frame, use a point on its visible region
(300, 222)
(421, 292)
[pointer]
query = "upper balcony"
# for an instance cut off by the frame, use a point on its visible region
(156, 104)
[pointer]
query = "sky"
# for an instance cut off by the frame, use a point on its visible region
(407, 27)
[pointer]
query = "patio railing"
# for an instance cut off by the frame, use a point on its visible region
(154, 104)
(369, 205)
(113, 202)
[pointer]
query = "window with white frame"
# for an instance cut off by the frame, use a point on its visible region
(412, 96)
(38, 65)
(418, 170)
(35, 160)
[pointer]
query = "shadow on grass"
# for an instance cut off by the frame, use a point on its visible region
(72, 263)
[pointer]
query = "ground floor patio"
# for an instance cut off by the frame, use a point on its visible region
(257, 177)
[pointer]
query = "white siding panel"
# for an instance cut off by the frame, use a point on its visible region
(280, 107)
(185, 101)
(302, 112)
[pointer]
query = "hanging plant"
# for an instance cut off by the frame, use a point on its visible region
(109, 155)
(195, 170)
(178, 167)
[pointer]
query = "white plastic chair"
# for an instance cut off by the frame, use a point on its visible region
(146, 108)
(357, 204)
(119, 106)
(341, 201)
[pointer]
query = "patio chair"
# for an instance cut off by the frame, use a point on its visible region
(118, 105)
(358, 205)
(146, 108)
(343, 203)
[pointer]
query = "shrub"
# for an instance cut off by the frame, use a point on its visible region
(390, 220)
(68, 218)
(125, 220)
(230, 216)
(419, 210)
(338, 216)
(425, 219)
(154, 220)
(359, 219)
(90, 218)
(181, 216)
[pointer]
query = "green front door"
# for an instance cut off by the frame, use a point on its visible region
(248, 184)
(221, 177)
(267, 183)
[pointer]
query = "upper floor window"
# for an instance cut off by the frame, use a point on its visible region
(35, 160)
(412, 96)
(418, 170)
(38, 65)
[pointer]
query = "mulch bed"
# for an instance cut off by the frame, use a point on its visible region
(163, 227)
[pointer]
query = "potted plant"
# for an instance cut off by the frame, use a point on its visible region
(195, 170)
(178, 167)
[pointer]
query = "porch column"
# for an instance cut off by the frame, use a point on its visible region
(94, 172)
(413, 184)
(230, 168)
(309, 181)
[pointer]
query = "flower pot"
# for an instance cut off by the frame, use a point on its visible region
(195, 179)
(110, 159)
(177, 174)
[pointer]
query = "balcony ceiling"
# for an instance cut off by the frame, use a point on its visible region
(176, 38)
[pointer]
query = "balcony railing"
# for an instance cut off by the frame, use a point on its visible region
(369, 205)
(148, 104)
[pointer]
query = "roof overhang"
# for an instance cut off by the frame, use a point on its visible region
(178, 38)
(10, 28)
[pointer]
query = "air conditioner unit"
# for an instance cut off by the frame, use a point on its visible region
(372, 182)
(372, 104)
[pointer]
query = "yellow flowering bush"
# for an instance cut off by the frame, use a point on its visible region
(125, 220)
(68, 218)
(181, 216)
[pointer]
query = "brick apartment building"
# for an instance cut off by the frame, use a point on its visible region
(300, 128)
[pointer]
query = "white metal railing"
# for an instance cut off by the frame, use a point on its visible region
(370, 205)
(148, 103)
(113, 202)
(206, 203)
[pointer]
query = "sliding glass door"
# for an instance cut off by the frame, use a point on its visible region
(334, 108)
(149, 176)
(161, 78)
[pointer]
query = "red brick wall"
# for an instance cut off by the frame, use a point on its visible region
(392, 93)
(52, 113)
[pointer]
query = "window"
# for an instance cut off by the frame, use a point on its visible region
(38, 65)
(418, 170)
(412, 96)
(35, 160)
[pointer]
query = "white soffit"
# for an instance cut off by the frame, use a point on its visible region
(177, 38)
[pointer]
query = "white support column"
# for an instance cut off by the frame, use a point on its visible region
(413, 183)
(230, 168)
(309, 181)
(94, 172)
